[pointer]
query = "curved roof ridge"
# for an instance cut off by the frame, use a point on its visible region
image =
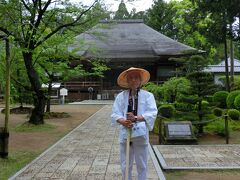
(122, 21)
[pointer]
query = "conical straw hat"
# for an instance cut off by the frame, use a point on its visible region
(122, 78)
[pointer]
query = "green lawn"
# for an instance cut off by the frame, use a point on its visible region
(14, 162)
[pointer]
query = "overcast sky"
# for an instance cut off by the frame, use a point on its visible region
(112, 5)
(140, 5)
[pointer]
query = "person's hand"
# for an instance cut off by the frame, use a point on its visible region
(126, 123)
(131, 117)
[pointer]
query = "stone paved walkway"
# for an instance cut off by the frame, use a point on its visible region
(103, 102)
(198, 156)
(91, 151)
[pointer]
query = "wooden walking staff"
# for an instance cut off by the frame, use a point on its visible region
(129, 131)
(128, 153)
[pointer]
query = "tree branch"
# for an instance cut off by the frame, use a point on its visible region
(19, 83)
(25, 5)
(66, 25)
(45, 69)
(41, 12)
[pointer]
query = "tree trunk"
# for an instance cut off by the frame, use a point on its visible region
(38, 111)
(225, 51)
(39, 97)
(232, 63)
(8, 84)
(200, 115)
(226, 66)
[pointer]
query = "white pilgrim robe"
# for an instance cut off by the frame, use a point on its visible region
(139, 147)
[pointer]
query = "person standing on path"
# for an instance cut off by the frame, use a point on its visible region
(136, 109)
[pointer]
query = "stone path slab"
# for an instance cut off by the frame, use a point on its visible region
(91, 151)
(198, 156)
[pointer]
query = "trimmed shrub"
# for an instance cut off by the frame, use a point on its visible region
(155, 89)
(234, 114)
(184, 107)
(236, 85)
(205, 107)
(231, 97)
(209, 99)
(166, 110)
(190, 99)
(205, 104)
(237, 102)
(220, 98)
(217, 112)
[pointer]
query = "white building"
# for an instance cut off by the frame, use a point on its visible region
(218, 70)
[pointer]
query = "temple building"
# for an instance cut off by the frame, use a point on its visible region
(123, 44)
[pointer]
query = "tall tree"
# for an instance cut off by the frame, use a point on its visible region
(181, 22)
(202, 83)
(122, 12)
(223, 14)
(137, 15)
(28, 22)
(159, 17)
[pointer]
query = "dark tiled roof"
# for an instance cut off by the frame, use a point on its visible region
(127, 39)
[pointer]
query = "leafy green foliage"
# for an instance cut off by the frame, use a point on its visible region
(209, 99)
(137, 15)
(217, 112)
(205, 106)
(217, 127)
(235, 125)
(231, 97)
(220, 98)
(223, 13)
(237, 102)
(184, 107)
(155, 89)
(166, 110)
(159, 17)
(234, 114)
(190, 99)
(31, 25)
(122, 12)
(186, 116)
(202, 84)
(174, 87)
(236, 85)
(182, 21)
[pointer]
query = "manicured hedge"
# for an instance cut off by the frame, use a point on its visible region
(231, 97)
(166, 110)
(217, 111)
(220, 98)
(234, 114)
(237, 102)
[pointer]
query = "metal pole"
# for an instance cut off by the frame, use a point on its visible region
(226, 128)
